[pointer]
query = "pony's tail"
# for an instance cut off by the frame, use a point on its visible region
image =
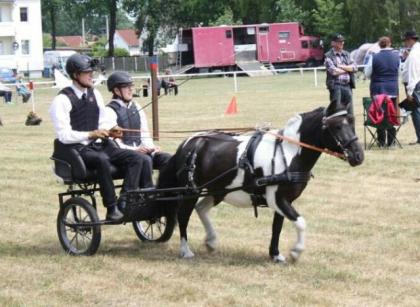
(167, 174)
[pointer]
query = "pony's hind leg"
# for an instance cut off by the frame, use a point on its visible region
(203, 207)
(184, 214)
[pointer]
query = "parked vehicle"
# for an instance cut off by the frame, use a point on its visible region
(225, 47)
(56, 59)
(7, 75)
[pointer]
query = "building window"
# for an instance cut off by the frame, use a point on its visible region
(228, 33)
(284, 35)
(23, 14)
(25, 46)
(263, 29)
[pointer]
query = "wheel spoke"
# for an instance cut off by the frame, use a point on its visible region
(149, 225)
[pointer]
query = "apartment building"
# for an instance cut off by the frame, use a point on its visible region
(21, 36)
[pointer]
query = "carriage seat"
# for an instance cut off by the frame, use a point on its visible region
(69, 166)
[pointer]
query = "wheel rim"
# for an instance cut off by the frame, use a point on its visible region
(152, 229)
(78, 239)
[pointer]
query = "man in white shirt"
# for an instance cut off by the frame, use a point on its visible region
(123, 112)
(411, 76)
(78, 115)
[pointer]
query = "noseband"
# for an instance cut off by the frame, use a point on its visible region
(325, 125)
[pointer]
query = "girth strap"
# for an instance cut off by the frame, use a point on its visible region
(287, 177)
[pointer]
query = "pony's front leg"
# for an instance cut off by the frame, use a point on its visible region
(288, 211)
(203, 207)
(275, 237)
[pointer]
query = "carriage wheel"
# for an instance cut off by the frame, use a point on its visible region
(78, 240)
(155, 230)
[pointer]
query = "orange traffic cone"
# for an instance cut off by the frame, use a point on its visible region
(232, 107)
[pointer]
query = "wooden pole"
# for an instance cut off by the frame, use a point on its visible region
(154, 84)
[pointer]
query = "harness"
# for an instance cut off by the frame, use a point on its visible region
(254, 182)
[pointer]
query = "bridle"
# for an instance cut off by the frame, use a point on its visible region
(326, 126)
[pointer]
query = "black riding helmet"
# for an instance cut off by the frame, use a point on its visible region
(119, 79)
(80, 63)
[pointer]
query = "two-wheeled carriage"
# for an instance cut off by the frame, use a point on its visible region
(78, 224)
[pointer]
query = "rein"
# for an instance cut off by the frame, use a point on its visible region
(311, 147)
(325, 119)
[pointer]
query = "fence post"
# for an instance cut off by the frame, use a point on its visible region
(135, 63)
(235, 81)
(113, 63)
(316, 76)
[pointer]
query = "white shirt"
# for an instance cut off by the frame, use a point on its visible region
(4, 88)
(60, 115)
(411, 70)
(146, 139)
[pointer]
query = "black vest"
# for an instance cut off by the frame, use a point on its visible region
(128, 118)
(84, 114)
(330, 78)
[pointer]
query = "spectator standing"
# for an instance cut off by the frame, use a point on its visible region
(382, 68)
(411, 78)
(340, 73)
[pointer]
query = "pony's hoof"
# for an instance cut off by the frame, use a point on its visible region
(279, 259)
(187, 254)
(211, 245)
(295, 254)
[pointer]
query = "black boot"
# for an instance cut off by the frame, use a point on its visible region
(113, 214)
(122, 202)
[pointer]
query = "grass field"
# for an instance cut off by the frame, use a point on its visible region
(363, 224)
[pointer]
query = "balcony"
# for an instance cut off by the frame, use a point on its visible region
(7, 28)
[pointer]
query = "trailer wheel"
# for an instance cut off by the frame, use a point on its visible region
(75, 239)
(155, 230)
(311, 63)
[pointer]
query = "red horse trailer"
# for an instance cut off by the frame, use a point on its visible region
(225, 47)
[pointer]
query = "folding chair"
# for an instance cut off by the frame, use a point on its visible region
(372, 128)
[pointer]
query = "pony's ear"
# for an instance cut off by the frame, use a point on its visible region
(334, 107)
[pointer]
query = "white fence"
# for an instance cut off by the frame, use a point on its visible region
(234, 74)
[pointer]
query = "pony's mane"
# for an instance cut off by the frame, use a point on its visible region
(312, 113)
(311, 125)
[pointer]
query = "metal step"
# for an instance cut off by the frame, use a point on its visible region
(254, 68)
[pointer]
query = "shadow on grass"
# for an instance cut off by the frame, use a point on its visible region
(146, 251)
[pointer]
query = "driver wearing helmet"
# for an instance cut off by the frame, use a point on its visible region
(78, 115)
(123, 112)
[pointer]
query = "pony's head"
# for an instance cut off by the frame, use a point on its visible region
(339, 133)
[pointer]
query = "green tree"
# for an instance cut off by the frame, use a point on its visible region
(328, 17)
(290, 11)
(225, 19)
(51, 10)
(254, 11)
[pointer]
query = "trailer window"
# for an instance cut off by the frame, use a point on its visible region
(228, 33)
(315, 43)
(250, 31)
(305, 44)
(263, 29)
(284, 35)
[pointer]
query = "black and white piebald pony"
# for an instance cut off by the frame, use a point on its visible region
(204, 157)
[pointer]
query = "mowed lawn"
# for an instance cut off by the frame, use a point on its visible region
(363, 223)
